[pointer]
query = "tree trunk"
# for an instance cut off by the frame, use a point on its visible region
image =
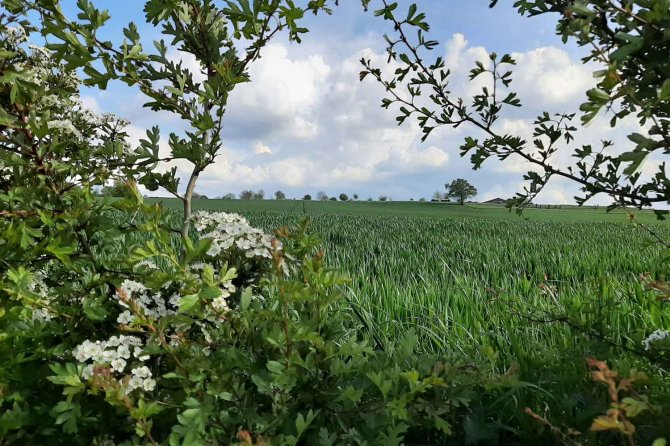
(188, 201)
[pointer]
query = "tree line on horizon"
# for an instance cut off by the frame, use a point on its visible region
(460, 190)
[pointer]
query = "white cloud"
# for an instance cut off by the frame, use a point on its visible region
(317, 126)
(262, 149)
(550, 75)
(282, 97)
(544, 77)
(90, 103)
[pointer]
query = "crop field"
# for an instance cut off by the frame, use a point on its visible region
(531, 297)
(478, 279)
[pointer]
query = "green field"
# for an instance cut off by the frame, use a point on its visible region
(467, 276)
(482, 282)
(412, 209)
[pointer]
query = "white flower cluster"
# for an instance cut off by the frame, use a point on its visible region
(64, 126)
(15, 35)
(657, 335)
(39, 52)
(152, 304)
(115, 354)
(221, 303)
(229, 231)
(41, 289)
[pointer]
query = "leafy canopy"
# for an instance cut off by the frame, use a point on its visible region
(460, 189)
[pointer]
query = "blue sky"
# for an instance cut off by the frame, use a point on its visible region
(305, 123)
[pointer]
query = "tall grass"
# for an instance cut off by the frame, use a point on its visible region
(499, 291)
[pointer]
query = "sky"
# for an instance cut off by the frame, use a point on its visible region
(305, 123)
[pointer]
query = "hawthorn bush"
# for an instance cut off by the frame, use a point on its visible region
(118, 326)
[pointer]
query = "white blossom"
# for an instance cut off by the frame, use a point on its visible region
(118, 364)
(116, 353)
(125, 318)
(64, 126)
(220, 304)
(232, 231)
(40, 288)
(152, 304)
(15, 35)
(141, 379)
(657, 335)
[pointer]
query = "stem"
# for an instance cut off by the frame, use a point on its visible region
(187, 199)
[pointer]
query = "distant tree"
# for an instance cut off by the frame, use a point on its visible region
(321, 196)
(247, 195)
(369, 198)
(259, 194)
(279, 195)
(437, 196)
(461, 190)
(411, 199)
(355, 196)
(307, 197)
(229, 196)
(115, 190)
(422, 199)
(344, 197)
(199, 196)
(333, 199)
(383, 198)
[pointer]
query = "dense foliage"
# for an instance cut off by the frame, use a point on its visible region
(531, 299)
(119, 325)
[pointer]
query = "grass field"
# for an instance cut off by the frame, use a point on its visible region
(479, 280)
(413, 209)
(460, 274)
(529, 297)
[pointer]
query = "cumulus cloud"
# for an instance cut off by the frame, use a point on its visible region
(281, 99)
(550, 75)
(544, 77)
(306, 122)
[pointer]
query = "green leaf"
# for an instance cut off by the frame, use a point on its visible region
(210, 293)
(245, 299)
(95, 310)
(61, 252)
(276, 367)
(188, 302)
(598, 95)
(664, 91)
